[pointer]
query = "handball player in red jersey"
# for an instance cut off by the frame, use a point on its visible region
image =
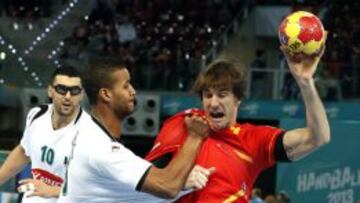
(241, 151)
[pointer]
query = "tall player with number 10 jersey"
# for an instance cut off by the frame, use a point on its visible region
(46, 140)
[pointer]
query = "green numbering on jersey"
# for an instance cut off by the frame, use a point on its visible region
(47, 155)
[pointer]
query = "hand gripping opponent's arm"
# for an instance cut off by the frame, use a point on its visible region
(169, 181)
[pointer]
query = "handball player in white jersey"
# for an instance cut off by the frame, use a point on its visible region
(46, 141)
(100, 168)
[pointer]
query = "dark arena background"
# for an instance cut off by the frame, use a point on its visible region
(165, 44)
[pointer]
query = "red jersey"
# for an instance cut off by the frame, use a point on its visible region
(239, 154)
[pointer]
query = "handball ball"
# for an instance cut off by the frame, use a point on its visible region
(302, 32)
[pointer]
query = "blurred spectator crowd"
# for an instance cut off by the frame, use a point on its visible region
(338, 76)
(25, 8)
(342, 57)
(162, 41)
(25, 13)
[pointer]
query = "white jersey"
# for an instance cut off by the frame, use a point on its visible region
(47, 148)
(100, 168)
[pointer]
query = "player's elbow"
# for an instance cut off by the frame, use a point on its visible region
(168, 192)
(171, 193)
(161, 185)
(326, 139)
(322, 140)
(172, 188)
(317, 137)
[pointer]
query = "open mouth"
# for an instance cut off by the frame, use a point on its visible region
(217, 115)
(216, 119)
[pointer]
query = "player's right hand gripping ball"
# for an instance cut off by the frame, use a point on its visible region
(302, 32)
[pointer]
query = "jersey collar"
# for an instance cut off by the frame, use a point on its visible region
(104, 129)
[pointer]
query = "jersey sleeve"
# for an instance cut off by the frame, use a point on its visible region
(121, 166)
(172, 135)
(26, 138)
(264, 140)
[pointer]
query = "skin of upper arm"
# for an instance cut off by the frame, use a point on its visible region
(15, 161)
(19, 154)
(298, 143)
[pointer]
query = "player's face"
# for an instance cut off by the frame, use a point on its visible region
(66, 94)
(221, 106)
(123, 94)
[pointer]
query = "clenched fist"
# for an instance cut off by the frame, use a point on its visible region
(197, 125)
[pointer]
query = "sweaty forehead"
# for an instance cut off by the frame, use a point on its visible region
(66, 80)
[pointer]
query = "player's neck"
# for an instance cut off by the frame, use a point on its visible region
(108, 119)
(58, 121)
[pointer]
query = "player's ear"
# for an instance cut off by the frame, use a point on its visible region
(105, 94)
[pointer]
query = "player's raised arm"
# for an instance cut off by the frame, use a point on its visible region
(167, 182)
(300, 142)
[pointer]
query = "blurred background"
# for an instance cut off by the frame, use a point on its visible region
(165, 44)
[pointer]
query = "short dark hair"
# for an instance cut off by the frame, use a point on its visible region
(69, 71)
(99, 74)
(222, 74)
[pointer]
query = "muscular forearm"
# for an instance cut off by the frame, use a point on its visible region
(13, 164)
(317, 122)
(169, 181)
(181, 166)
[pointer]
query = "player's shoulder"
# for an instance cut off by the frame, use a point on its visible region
(172, 133)
(37, 112)
(253, 129)
(174, 126)
(92, 129)
(251, 126)
(83, 118)
(87, 124)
